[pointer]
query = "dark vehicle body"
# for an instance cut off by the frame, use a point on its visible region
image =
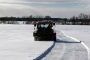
(44, 32)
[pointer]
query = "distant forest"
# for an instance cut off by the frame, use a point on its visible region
(81, 19)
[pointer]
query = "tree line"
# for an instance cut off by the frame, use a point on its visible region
(81, 19)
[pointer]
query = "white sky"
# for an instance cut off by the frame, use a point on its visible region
(54, 8)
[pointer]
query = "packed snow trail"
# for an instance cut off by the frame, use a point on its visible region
(67, 49)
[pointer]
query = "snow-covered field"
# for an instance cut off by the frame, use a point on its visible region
(17, 43)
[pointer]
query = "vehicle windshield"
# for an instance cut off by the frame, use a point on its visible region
(44, 25)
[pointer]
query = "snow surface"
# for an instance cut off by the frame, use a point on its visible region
(67, 51)
(17, 43)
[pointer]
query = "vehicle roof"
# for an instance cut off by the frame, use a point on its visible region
(45, 22)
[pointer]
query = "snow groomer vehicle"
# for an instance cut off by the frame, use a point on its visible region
(44, 31)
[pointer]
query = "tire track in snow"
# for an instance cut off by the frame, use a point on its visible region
(56, 53)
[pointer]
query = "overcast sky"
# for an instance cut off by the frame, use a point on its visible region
(54, 8)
